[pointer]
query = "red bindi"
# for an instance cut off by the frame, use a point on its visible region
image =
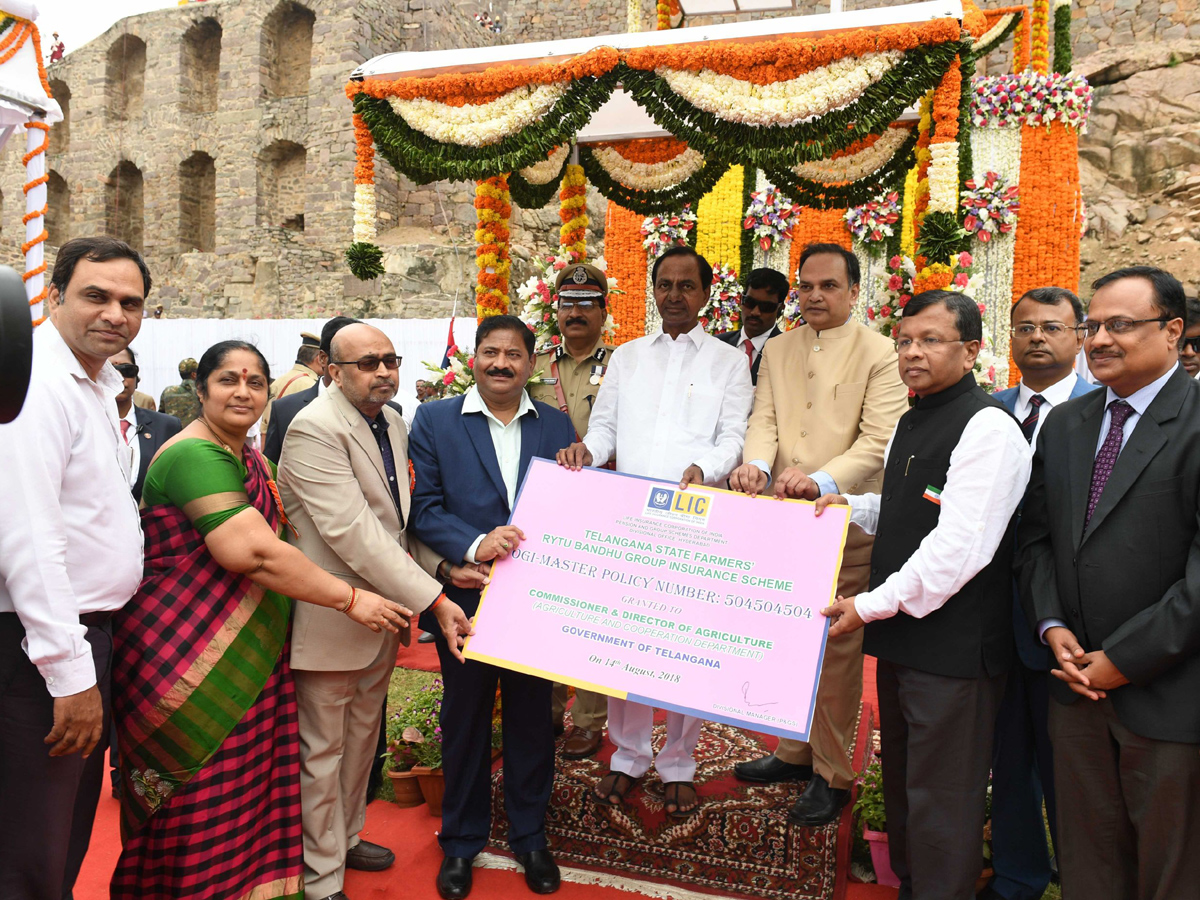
(244, 371)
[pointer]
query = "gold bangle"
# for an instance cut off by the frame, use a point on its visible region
(349, 602)
(353, 600)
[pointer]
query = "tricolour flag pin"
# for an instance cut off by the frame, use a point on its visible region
(934, 494)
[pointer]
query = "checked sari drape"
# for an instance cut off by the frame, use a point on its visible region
(203, 698)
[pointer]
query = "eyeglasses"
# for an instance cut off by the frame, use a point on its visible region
(1116, 325)
(126, 370)
(581, 305)
(1049, 329)
(390, 362)
(1193, 343)
(765, 306)
(929, 343)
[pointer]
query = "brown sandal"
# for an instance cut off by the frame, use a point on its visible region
(680, 812)
(613, 785)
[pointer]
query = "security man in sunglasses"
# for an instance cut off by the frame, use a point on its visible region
(761, 306)
(571, 375)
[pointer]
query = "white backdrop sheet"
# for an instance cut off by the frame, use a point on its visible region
(162, 343)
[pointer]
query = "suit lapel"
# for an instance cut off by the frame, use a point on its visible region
(398, 434)
(1081, 452)
(360, 431)
(477, 429)
(143, 455)
(531, 438)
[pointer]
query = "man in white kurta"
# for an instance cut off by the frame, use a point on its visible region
(674, 406)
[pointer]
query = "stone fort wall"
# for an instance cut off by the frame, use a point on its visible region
(216, 138)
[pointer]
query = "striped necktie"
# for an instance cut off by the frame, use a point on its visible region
(1029, 426)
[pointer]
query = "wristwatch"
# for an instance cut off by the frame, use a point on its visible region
(443, 575)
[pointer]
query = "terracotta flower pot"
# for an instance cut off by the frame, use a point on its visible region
(433, 786)
(878, 841)
(406, 788)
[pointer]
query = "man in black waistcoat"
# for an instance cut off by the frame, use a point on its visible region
(1109, 570)
(939, 612)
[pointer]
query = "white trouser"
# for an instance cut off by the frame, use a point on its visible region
(629, 727)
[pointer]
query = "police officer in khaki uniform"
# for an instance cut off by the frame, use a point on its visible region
(571, 375)
(308, 369)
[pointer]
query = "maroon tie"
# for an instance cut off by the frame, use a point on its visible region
(1118, 412)
(748, 346)
(125, 430)
(1029, 426)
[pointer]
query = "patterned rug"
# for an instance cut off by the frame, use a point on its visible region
(739, 842)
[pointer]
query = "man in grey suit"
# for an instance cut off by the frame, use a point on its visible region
(761, 306)
(1045, 342)
(1109, 572)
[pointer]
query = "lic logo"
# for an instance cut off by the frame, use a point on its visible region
(684, 507)
(660, 499)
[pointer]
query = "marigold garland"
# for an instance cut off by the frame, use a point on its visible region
(1047, 247)
(572, 236)
(626, 260)
(492, 209)
(946, 101)
(923, 157)
(1039, 53)
(664, 15)
(647, 150)
(816, 226)
(37, 213)
(908, 212)
(1021, 40)
(719, 231)
(974, 21)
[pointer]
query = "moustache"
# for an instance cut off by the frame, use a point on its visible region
(497, 373)
(384, 382)
(576, 321)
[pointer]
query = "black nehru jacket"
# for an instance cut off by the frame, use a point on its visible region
(971, 636)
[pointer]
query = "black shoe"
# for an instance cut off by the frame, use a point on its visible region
(819, 804)
(541, 871)
(368, 857)
(560, 728)
(454, 878)
(770, 769)
(426, 637)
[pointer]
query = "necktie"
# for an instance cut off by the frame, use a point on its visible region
(125, 430)
(748, 346)
(1118, 411)
(1029, 426)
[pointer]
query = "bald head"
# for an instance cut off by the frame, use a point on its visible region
(368, 390)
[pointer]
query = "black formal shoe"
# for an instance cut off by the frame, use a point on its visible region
(819, 804)
(541, 871)
(368, 857)
(770, 769)
(454, 878)
(426, 637)
(338, 896)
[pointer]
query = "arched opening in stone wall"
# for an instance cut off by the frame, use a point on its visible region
(198, 203)
(123, 204)
(125, 77)
(281, 185)
(200, 66)
(287, 50)
(58, 209)
(60, 134)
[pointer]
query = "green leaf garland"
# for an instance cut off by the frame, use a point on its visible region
(749, 177)
(941, 238)
(826, 196)
(1062, 39)
(996, 41)
(364, 260)
(807, 141)
(650, 202)
(528, 195)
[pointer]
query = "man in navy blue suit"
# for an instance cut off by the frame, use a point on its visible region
(142, 430)
(469, 454)
(1045, 343)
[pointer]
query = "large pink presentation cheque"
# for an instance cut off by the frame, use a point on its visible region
(702, 601)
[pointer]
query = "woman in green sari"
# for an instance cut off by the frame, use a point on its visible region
(203, 698)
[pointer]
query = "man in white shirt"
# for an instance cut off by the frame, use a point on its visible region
(939, 608)
(674, 405)
(70, 556)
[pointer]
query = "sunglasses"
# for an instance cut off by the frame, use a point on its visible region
(126, 370)
(764, 306)
(390, 361)
(1192, 343)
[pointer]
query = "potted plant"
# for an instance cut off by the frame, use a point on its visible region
(869, 809)
(399, 761)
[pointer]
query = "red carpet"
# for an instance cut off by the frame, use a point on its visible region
(418, 656)
(411, 832)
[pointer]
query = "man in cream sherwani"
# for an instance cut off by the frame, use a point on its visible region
(829, 395)
(344, 482)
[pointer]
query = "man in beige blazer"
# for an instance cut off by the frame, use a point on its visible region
(344, 481)
(829, 395)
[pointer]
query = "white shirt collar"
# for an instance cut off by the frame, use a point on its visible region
(1057, 394)
(109, 378)
(696, 335)
(474, 403)
(1141, 399)
(759, 341)
(131, 416)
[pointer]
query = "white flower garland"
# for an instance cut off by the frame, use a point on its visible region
(364, 213)
(997, 150)
(994, 32)
(943, 178)
(783, 102)
(548, 169)
(858, 165)
(649, 176)
(479, 125)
